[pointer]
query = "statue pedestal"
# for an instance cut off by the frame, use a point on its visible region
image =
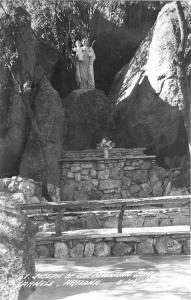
(106, 153)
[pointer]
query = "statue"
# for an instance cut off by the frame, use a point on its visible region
(84, 60)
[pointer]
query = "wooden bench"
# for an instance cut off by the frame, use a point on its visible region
(119, 204)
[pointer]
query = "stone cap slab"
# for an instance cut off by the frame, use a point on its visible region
(97, 155)
(89, 234)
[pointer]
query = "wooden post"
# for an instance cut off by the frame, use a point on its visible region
(58, 222)
(120, 219)
(190, 213)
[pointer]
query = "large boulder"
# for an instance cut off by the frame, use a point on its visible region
(87, 112)
(146, 92)
(20, 149)
(49, 116)
(13, 121)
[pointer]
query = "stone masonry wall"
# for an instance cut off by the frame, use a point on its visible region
(121, 176)
(115, 246)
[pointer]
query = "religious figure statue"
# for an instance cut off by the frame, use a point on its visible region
(78, 56)
(85, 57)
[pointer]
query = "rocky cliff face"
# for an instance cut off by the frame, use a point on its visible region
(20, 150)
(14, 125)
(49, 116)
(146, 92)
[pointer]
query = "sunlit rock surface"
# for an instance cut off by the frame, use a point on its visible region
(147, 95)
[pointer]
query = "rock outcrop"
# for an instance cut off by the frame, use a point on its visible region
(19, 147)
(13, 124)
(147, 95)
(49, 116)
(87, 112)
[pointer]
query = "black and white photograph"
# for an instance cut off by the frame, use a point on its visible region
(95, 150)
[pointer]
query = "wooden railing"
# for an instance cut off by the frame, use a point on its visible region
(119, 204)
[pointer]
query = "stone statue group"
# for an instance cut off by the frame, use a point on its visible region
(84, 59)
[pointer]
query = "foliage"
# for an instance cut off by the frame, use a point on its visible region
(56, 22)
(105, 143)
(60, 22)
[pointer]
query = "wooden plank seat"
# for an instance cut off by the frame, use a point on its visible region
(90, 234)
(120, 204)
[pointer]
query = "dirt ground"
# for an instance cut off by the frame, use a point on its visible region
(119, 278)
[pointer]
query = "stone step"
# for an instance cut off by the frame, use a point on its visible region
(107, 242)
(109, 219)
